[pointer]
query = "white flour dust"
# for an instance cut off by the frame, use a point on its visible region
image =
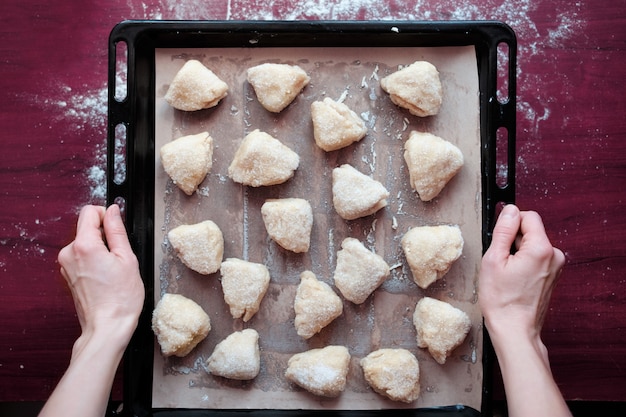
(82, 112)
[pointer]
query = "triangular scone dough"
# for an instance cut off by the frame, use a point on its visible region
(195, 87)
(355, 194)
(394, 373)
(244, 284)
(416, 88)
(288, 222)
(237, 356)
(432, 162)
(335, 126)
(320, 371)
(200, 246)
(359, 271)
(440, 327)
(316, 305)
(179, 324)
(277, 85)
(430, 251)
(187, 160)
(262, 160)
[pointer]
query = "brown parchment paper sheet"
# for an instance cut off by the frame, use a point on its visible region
(385, 319)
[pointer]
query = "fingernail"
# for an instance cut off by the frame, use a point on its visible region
(509, 211)
(115, 209)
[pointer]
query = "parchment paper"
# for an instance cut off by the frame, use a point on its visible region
(385, 319)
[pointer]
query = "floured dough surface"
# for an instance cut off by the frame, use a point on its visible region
(431, 250)
(187, 160)
(355, 194)
(320, 371)
(277, 85)
(432, 162)
(195, 87)
(416, 88)
(288, 222)
(179, 324)
(335, 126)
(359, 271)
(237, 356)
(394, 373)
(262, 160)
(199, 246)
(244, 284)
(316, 305)
(440, 327)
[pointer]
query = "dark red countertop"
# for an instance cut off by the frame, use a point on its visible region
(571, 164)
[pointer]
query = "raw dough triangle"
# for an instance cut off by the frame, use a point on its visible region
(187, 160)
(195, 87)
(355, 194)
(335, 126)
(288, 222)
(440, 327)
(321, 371)
(244, 284)
(432, 162)
(277, 85)
(316, 305)
(262, 160)
(199, 246)
(237, 357)
(430, 251)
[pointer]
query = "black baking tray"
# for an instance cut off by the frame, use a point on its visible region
(133, 184)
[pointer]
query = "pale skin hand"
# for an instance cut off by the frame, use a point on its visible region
(514, 295)
(108, 295)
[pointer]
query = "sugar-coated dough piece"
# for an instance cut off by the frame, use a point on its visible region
(335, 126)
(393, 373)
(432, 162)
(359, 271)
(316, 305)
(179, 324)
(237, 356)
(430, 251)
(187, 160)
(288, 222)
(262, 160)
(320, 371)
(200, 246)
(195, 87)
(277, 85)
(244, 284)
(416, 88)
(355, 194)
(440, 327)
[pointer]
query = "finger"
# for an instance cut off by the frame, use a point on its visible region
(115, 231)
(533, 232)
(89, 223)
(506, 230)
(532, 223)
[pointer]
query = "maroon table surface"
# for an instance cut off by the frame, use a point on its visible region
(571, 164)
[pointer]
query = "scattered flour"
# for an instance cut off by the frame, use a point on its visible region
(89, 110)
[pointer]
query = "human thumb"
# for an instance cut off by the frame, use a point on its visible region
(506, 229)
(115, 231)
